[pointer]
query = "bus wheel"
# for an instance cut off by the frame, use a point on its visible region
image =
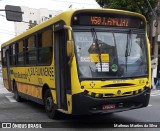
(49, 105)
(16, 95)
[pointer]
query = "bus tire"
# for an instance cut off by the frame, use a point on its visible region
(16, 94)
(49, 105)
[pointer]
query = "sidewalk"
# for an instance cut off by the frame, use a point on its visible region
(1, 79)
(3, 90)
(155, 90)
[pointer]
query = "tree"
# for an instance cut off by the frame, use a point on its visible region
(140, 6)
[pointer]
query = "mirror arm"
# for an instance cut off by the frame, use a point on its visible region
(69, 31)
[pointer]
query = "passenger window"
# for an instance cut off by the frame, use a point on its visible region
(20, 53)
(31, 43)
(13, 54)
(45, 47)
(4, 56)
(31, 54)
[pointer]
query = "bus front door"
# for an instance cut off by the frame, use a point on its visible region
(61, 68)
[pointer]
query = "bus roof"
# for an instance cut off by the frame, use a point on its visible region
(66, 16)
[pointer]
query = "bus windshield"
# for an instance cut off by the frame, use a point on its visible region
(111, 54)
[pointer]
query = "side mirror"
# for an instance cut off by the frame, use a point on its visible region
(70, 44)
(70, 48)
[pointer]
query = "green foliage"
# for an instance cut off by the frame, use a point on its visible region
(140, 6)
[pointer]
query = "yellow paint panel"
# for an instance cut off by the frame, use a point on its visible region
(39, 92)
(95, 57)
(76, 87)
(69, 103)
(30, 90)
(54, 96)
(5, 82)
(21, 87)
(100, 84)
(4, 73)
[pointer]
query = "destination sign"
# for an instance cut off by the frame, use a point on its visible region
(110, 20)
(94, 20)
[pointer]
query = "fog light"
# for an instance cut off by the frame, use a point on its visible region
(86, 92)
(93, 94)
(82, 87)
(100, 95)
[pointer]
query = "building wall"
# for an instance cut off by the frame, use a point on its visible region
(31, 15)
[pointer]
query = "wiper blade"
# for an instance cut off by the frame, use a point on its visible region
(128, 47)
(95, 40)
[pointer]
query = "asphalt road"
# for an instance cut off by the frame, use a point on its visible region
(27, 111)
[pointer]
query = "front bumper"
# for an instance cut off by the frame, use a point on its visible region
(84, 104)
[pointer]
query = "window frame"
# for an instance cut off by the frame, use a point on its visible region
(25, 50)
(29, 51)
(40, 48)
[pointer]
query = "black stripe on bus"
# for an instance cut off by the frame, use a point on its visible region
(29, 97)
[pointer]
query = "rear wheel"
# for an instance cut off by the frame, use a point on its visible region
(16, 94)
(49, 105)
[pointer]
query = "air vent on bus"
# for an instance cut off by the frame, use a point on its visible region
(117, 85)
(109, 95)
(128, 93)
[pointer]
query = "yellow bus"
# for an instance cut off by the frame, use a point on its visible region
(83, 61)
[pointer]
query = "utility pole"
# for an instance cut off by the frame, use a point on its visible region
(156, 35)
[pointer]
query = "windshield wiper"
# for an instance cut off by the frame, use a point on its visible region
(128, 47)
(96, 41)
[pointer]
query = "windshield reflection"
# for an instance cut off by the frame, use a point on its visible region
(107, 58)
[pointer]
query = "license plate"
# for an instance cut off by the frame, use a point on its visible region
(108, 106)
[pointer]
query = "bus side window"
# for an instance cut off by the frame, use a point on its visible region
(4, 57)
(20, 60)
(13, 54)
(45, 45)
(31, 53)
